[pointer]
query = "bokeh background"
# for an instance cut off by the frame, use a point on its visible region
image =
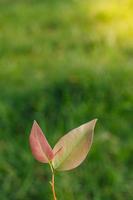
(63, 63)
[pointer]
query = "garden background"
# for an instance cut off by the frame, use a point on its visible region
(63, 63)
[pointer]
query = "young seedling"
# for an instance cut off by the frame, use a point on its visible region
(68, 153)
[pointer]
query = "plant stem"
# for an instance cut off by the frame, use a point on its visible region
(52, 182)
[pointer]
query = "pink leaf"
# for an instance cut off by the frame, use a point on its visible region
(40, 147)
(72, 148)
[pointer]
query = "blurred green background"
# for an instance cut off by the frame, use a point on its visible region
(63, 63)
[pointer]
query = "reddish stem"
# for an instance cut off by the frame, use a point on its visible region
(52, 183)
(53, 187)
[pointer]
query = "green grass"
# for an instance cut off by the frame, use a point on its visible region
(64, 63)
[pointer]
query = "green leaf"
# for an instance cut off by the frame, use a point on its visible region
(72, 148)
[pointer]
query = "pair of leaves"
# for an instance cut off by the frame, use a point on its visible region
(70, 150)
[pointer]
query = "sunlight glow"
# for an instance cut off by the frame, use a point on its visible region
(112, 19)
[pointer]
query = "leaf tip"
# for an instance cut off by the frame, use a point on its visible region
(35, 122)
(93, 122)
